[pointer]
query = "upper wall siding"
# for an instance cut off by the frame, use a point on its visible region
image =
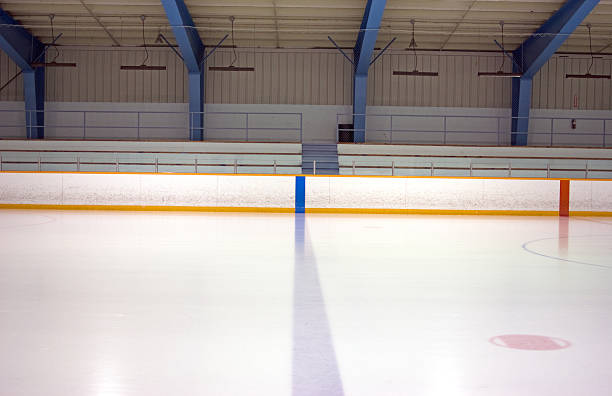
(8, 68)
(98, 77)
(551, 90)
(321, 77)
(457, 85)
(314, 77)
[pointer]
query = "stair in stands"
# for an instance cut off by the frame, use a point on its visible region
(325, 156)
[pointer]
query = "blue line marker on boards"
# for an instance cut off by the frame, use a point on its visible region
(300, 194)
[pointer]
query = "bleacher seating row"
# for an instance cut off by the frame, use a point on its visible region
(462, 161)
(286, 158)
(105, 156)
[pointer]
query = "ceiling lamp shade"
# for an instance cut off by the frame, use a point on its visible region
(53, 63)
(588, 74)
(231, 67)
(143, 66)
(500, 74)
(415, 72)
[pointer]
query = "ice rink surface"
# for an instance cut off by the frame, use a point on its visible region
(119, 303)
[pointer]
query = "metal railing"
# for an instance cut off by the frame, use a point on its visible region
(479, 130)
(154, 165)
(150, 125)
(478, 169)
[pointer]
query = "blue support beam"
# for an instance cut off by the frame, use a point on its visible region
(34, 94)
(23, 49)
(193, 51)
(521, 103)
(362, 55)
(535, 52)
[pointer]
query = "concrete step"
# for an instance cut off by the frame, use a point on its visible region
(319, 153)
(325, 155)
(319, 149)
(322, 158)
(320, 166)
(320, 171)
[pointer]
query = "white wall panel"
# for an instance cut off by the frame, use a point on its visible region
(601, 193)
(431, 194)
(250, 191)
(178, 190)
(30, 188)
(587, 195)
(532, 195)
(375, 193)
(99, 189)
(150, 190)
(321, 192)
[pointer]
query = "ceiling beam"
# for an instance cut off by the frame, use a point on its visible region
(193, 52)
(542, 45)
(24, 49)
(185, 32)
(18, 43)
(362, 55)
(95, 17)
(457, 25)
(368, 34)
(276, 23)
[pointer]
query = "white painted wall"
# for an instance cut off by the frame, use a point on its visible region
(147, 190)
(326, 193)
(488, 126)
(587, 195)
(431, 194)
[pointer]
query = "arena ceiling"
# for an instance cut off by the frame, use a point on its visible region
(439, 24)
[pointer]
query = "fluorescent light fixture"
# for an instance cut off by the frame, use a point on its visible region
(414, 73)
(53, 64)
(143, 68)
(589, 75)
(231, 68)
(500, 74)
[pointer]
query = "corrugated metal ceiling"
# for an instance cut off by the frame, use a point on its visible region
(440, 24)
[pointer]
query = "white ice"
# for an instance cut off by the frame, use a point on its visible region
(119, 304)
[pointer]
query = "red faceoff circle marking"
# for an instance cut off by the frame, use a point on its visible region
(529, 342)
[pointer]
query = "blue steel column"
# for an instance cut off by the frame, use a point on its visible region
(196, 105)
(535, 52)
(363, 50)
(34, 94)
(192, 49)
(521, 103)
(23, 48)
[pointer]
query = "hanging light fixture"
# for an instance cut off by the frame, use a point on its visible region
(53, 63)
(500, 72)
(143, 66)
(231, 67)
(588, 74)
(414, 72)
